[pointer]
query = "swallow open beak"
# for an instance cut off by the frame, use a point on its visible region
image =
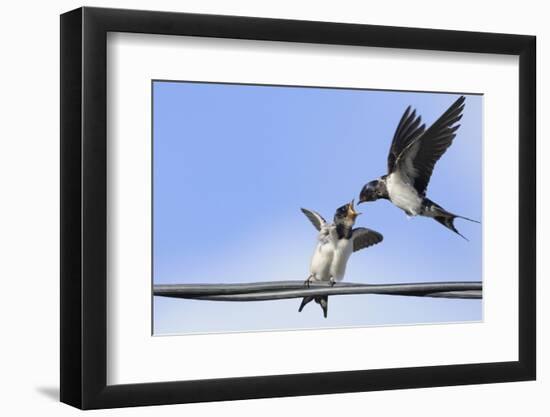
(352, 214)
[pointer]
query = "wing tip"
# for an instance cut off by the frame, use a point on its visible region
(379, 237)
(458, 106)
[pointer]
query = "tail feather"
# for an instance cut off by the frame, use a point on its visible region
(466, 218)
(445, 217)
(323, 302)
(448, 222)
(305, 301)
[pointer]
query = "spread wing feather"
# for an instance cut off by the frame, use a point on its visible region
(315, 218)
(408, 129)
(417, 158)
(363, 238)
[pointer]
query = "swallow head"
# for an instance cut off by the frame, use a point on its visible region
(346, 213)
(370, 192)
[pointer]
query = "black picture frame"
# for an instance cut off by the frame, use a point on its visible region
(84, 197)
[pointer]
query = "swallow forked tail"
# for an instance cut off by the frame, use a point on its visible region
(321, 300)
(445, 217)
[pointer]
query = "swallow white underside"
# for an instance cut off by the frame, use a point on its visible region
(331, 255)
(403, 194)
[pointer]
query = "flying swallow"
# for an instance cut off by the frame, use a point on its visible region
(336, 242)
(413, 154)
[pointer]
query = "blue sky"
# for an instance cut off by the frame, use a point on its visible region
(233, 164)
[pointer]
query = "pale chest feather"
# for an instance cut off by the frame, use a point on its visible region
(322, 260)
(343, 251)
(403, 195)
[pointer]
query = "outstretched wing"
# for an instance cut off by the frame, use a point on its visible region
(408, 129)
(315, 218)
(363, 238)
(418, 158)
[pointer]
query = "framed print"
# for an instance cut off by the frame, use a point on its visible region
(342, 207)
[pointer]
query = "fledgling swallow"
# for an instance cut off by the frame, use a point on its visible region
(413, 154)
(336, 242)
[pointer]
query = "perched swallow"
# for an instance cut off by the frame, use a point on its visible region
(413, 154)
(336, 242)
